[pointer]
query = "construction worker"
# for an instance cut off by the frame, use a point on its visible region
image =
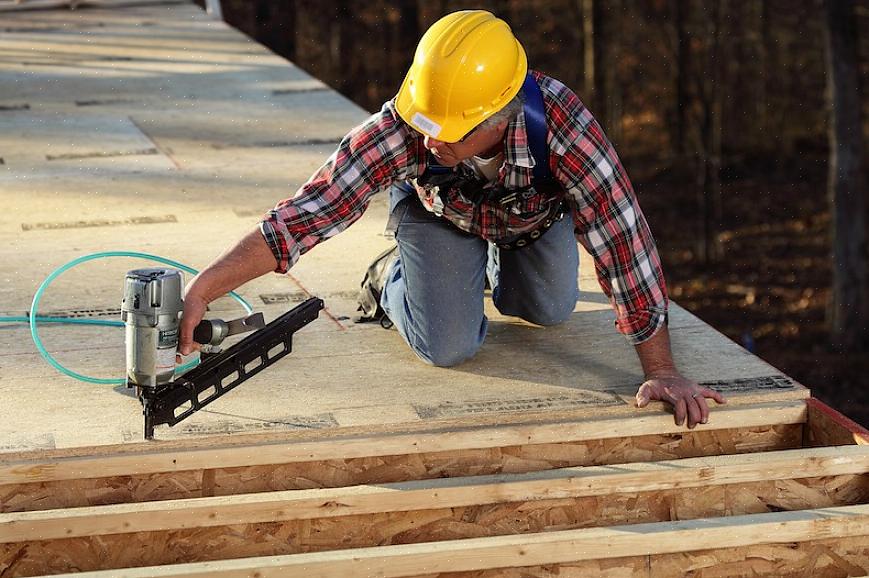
(494, 173)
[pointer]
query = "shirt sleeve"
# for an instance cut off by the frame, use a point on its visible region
(612, 228)
(369, 159)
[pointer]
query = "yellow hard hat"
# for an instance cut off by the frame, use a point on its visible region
(467, 66)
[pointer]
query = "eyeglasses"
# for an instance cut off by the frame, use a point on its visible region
(471, 133)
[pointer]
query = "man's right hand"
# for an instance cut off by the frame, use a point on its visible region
(248, 259)
(194, 310)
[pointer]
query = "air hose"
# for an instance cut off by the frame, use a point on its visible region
(33, 319)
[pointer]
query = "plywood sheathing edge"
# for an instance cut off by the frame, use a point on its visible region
(562, 483)
(38, 466)
(826, 426)
(535, 549)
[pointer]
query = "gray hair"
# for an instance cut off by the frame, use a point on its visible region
(507, 113)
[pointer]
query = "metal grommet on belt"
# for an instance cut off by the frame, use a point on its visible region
(527, 238)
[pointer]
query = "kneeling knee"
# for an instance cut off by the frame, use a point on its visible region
(447, 355)
(547, 318)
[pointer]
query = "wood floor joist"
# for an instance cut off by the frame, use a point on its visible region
(716, 535)
(280, 523)
(529, 461)
(389, 469)
(146, 462)
(784, 431)
(556, 484)
(828, 427)
(398, 500)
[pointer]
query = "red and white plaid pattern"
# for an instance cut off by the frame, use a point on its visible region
(609, 223)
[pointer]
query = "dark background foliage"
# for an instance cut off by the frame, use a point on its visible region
(720, 113)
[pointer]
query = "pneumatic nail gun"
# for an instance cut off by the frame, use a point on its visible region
(151, 310)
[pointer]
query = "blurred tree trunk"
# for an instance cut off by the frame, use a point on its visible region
(848, 312)
(681, 44)
(271, 23)
(504, 9)
(587, 11)
(741, 53)
(709, 154)
(762, 48)
(602, 89)
(274, 26)
(405, 32)
(341, 54)
(323, 43)
(607, 24)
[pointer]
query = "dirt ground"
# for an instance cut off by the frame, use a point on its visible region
(770, 290)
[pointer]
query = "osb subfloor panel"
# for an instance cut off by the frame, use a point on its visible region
(158, 129)
(837, 558)
(386, 469)
(316, 535)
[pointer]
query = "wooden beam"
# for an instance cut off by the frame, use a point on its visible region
(565, 483)
(831, 558)
(391, 469)
(18, 471)
(439, 524)
(715, 534)
(828, 427)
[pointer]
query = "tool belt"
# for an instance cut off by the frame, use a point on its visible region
(523, 240)
(442, 186)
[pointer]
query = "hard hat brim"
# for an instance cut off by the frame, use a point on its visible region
(452, 127)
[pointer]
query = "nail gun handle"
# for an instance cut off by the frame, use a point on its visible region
(210, 331)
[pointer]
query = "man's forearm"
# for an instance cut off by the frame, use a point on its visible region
(655, 355)
(248, 259)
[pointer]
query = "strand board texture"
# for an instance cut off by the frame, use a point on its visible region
(45, 480)
(156, 128)
(428, 512)
(152, 127)
(421, 511)
(821, 532)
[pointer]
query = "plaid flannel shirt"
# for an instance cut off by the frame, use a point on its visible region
(609, 223)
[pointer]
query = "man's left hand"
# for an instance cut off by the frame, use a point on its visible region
(686, 396)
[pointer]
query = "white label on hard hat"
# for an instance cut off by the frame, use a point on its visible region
(426, 125)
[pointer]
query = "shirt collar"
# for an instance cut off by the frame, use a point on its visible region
(518, 165)
(518, 162)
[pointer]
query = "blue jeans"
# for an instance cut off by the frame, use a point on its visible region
(434, 291)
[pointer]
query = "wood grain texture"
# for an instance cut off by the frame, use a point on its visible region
(386, 469)
(38, 468)
(796, 494)
(816, 558)
(785, 471)
(828, 427)
(331, 533)
(548, 548)
(630, 567)
(844, 556)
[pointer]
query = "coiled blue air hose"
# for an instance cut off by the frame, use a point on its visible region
(34, 319)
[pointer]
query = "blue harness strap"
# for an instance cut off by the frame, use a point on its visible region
(542, 180)
(535, 125)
